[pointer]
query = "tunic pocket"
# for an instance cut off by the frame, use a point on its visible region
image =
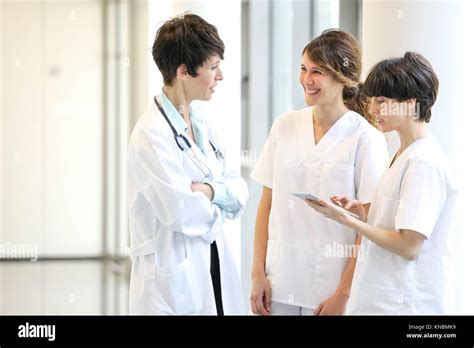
(178, 287)
(336, 179)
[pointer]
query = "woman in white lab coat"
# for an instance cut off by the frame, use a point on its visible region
(180, 190)
(324, 148)
(406, 244)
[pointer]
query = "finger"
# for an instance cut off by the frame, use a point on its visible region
(252, 306)
(324, 310)
(318, 310)
(321, 209)
(259, 303)
(322, 202)
(257, 307)
(268, 301)
(315, 206)
(262, 308)
(349, 205)
(253, 303)
(262, 299)
(343, 199)
(257, 310)
(352, 205)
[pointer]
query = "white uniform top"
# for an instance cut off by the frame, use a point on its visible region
(417, 193)
(350, 158)
(171, 227)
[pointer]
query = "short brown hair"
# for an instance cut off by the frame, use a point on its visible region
(338, 54)
(187, 39)
(404, 78)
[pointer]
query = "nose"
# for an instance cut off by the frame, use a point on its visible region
(374, 108)
(219, 75)
(306, 78)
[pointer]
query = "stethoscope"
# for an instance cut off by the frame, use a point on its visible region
(184, 145)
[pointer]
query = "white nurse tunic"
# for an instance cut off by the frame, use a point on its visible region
(417, 193)
(350, 158)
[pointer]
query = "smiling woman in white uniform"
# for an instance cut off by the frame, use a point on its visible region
(407, 241)
(180, 189)
(321, 149)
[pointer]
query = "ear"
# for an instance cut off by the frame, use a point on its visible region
(411, 102)
(412, 109)
(181, 72)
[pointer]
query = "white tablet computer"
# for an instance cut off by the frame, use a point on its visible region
(312, 197)
(303, 195)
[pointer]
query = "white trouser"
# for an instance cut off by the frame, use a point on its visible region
(286, 309)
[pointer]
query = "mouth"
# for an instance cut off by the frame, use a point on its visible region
(312, 91)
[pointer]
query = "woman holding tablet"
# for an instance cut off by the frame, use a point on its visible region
(406, 239)
(324, 148)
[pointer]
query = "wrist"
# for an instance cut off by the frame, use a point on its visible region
(351, 222)
(343, 293)
(258, 273)
(344, 219)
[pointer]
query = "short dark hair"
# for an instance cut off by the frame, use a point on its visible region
(187, 39)
(404, 78)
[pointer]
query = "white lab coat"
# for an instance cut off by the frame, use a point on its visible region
(418, 193)
(350, 158)
(171, 227)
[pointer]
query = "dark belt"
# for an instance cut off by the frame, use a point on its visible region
(216, 278)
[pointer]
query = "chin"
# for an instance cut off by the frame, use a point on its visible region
(310, 100)
(385, 128)
(205, 97)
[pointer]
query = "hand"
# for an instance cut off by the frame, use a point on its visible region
(334, 305)
(328, 210)
(261, 296)
(204, 188)
(354, 206)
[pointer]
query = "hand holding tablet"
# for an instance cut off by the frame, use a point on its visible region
(309, 196)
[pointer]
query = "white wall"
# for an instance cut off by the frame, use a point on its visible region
(51, 127)
(21, 135)
(1, 130)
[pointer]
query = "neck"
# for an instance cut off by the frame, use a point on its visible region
(326, 115)
(415, 130)
(178, 98)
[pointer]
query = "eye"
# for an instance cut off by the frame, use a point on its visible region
(302, 68)
(318, 72)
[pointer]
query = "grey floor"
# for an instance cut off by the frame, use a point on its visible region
(84, 287)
